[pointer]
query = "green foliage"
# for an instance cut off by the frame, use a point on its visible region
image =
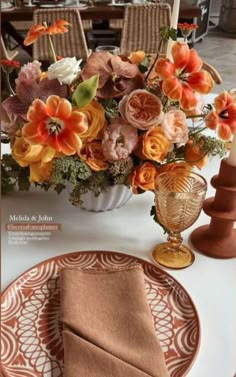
(120, 171)
(13, 175)
(85, 92)
(70, 169)
(168, 33)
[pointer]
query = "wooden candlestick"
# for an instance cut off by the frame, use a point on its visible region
(219, 238)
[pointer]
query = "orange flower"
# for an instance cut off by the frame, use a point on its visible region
(137, 57)
(223, 118)
(55, 124)
(194, 156)
(38, 30)
(58, 27)
(35, 32)
(143, 177)
(183, 78)
(40, 171)
(153, 145)
(141, 109)
(95, 115)
(174, 166)
(92, 154)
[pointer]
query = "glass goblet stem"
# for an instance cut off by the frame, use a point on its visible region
(175, 240)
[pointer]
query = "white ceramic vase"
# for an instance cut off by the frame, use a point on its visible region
(108, 200)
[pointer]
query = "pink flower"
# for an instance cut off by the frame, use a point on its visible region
(119, 140)
(29, 71)
(175, 126)
(141, 109)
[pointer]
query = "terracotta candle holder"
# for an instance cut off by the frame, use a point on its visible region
(218, 239)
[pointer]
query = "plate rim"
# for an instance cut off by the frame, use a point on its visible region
(142, 261)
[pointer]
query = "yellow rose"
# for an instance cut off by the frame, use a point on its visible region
(40, 171)
(24, 153)
(153, 145)
(96, 122)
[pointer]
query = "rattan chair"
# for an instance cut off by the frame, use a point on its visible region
(69, 44)
(141, 30)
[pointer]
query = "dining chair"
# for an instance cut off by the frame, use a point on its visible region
(5, 53)
(69, 44)
(141, 30)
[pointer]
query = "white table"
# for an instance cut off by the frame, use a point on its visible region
(210, 282)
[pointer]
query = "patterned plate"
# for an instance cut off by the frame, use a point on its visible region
(31, 329)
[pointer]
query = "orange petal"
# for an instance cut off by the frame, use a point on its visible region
(201, 81)
(164, 68)
(180, 53)
(222, 101)
(78, 122)
(69, 142)
(32, 133)
(37, 111)
(172, 88)
(212, 120)
(224, 131)
(189, 99)
(64, 109)
(194, 63)
(52, 104)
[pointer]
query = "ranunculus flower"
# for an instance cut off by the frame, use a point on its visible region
(223, 118)
(183, 77)
(143, 177)
(95, 115)
(65, 70)
(37, 157)
(194, 156)
(116, 77)
(137, 57)
(119, 140)
(92, 153)
(55, 124)
(175, 126)
(141, 109)
(153, 145)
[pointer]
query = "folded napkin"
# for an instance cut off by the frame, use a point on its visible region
(108, 327)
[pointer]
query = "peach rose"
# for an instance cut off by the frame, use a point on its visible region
(141, 109)
(175, 126)
(153, 145)
(137, 57)
(93, 155)
(194, 156)
(143, 177)
(95, 114)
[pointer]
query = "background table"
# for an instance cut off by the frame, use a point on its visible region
(210, 282)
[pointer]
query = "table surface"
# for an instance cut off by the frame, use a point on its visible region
(99, 11)
(130, 229)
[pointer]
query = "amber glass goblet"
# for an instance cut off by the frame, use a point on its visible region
(179, 196)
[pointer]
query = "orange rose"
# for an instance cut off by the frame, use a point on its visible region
(143, 177)
(137, 57)
(174, 166)
(95, 114)
(92, 154)
(194, 156)
(153, 145)
(141, 109)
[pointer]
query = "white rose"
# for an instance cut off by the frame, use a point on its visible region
(65, 70)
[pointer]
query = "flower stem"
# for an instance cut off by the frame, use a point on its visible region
(9, 84)
(52, 49)
(155, 60)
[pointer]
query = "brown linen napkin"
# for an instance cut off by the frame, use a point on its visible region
(108, 327)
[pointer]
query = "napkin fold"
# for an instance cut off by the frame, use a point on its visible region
(108, 326)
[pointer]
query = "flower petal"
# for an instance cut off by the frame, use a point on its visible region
(201, 81)
(194, 63)
(37, 112)
(180, 53)
(172, 88)
(189, 99)
(164, 68)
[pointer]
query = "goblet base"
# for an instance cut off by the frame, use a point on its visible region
(167, 257)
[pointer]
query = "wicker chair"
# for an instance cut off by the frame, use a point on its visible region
(142, 25)
(72, 43)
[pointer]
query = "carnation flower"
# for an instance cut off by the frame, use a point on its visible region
(65, 70)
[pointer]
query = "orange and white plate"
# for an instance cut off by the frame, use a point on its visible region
(31, 328)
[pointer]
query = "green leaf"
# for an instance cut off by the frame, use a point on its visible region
(85, 92)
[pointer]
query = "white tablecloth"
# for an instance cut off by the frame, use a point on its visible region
(210, 282)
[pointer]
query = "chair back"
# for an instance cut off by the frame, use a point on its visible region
(69, 44)
(5, 53)
(141, 30)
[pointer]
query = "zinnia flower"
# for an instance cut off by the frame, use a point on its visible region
(119, 140)
(116, 77)
(55, 124)
(223, 118)
(184, 77)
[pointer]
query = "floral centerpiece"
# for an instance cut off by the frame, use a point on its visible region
(110, 120)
